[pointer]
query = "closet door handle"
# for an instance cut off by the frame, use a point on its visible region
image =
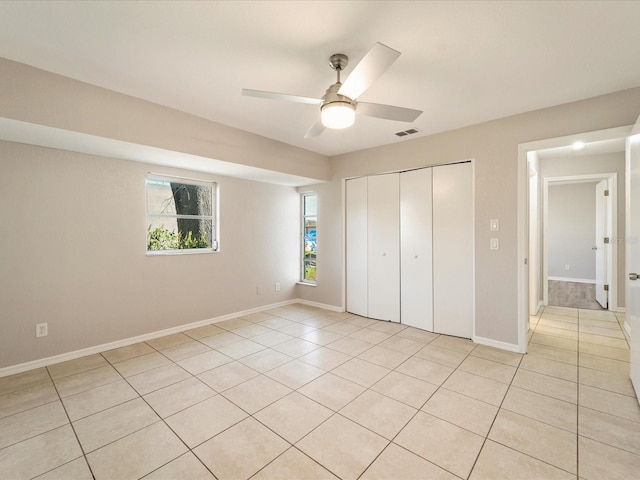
(633, 276)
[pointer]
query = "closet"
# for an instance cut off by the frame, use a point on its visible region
(409, 248)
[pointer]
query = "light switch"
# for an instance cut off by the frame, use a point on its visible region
(494, 244)
(494, 224)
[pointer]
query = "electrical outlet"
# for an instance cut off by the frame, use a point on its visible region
(567, 267)
(277, 287)
(42, 330)
(494, 244)
(259, 289)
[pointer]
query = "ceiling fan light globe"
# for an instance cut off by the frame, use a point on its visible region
(338, 115)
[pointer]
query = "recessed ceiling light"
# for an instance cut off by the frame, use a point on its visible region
(578, 146)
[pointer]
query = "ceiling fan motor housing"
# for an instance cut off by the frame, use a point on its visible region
(332, 96)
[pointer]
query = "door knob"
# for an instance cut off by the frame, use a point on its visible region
(594, 248)
(633, 276)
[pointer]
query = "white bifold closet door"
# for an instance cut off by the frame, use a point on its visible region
(453, 250)
(416, 267)
(383, 249)
(356, 246)
(409, 248)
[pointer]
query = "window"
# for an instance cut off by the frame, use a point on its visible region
(309, 243)
(181, 215)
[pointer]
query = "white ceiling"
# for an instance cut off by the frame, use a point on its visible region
(462, 62)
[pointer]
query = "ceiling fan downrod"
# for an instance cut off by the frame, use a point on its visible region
(338, 62)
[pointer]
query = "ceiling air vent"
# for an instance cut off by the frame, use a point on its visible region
(404, 133)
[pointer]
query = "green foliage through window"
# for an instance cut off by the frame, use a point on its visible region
(161, 238)
(180, 214)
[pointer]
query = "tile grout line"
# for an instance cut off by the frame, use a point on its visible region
(486, 437)
(334, 412)
(249, 415)
(359, 395)
(518, 451)
(500, 408)
(84, 454)
(578, 403)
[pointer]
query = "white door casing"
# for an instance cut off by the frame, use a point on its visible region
(535, 235)
(601, 246)
(633, 251)
(416, 264)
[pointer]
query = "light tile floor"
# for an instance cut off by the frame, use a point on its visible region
(302, 393)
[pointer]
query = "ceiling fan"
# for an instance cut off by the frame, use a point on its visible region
(338, 106)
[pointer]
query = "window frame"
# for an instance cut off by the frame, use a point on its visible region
(303, 218)
(214, 217)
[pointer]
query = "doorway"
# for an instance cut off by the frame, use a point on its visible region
(580, 218)
(531, 171)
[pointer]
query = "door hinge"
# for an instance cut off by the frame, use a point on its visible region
(606, 193)
(606, 239)
(606, 288)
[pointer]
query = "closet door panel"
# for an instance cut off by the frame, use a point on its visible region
(384, 247)
(356, 246)
(453, 250)
(416, 268)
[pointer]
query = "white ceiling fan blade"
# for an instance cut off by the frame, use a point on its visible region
(316, 130)
(388, 112)
(375, 63)
(280, 96)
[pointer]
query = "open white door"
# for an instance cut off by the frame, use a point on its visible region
(633, 251)
(601, 246)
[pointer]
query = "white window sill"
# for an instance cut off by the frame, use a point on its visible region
(190, 251)
(307, 284)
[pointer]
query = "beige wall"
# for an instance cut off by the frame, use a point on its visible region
(73, 243)
(92, 282)
(494, 148)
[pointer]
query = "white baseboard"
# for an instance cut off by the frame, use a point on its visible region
(574, 280)
(324, 306)
(63, 357)
(620, 310)
(627, 328)
(511, 347)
